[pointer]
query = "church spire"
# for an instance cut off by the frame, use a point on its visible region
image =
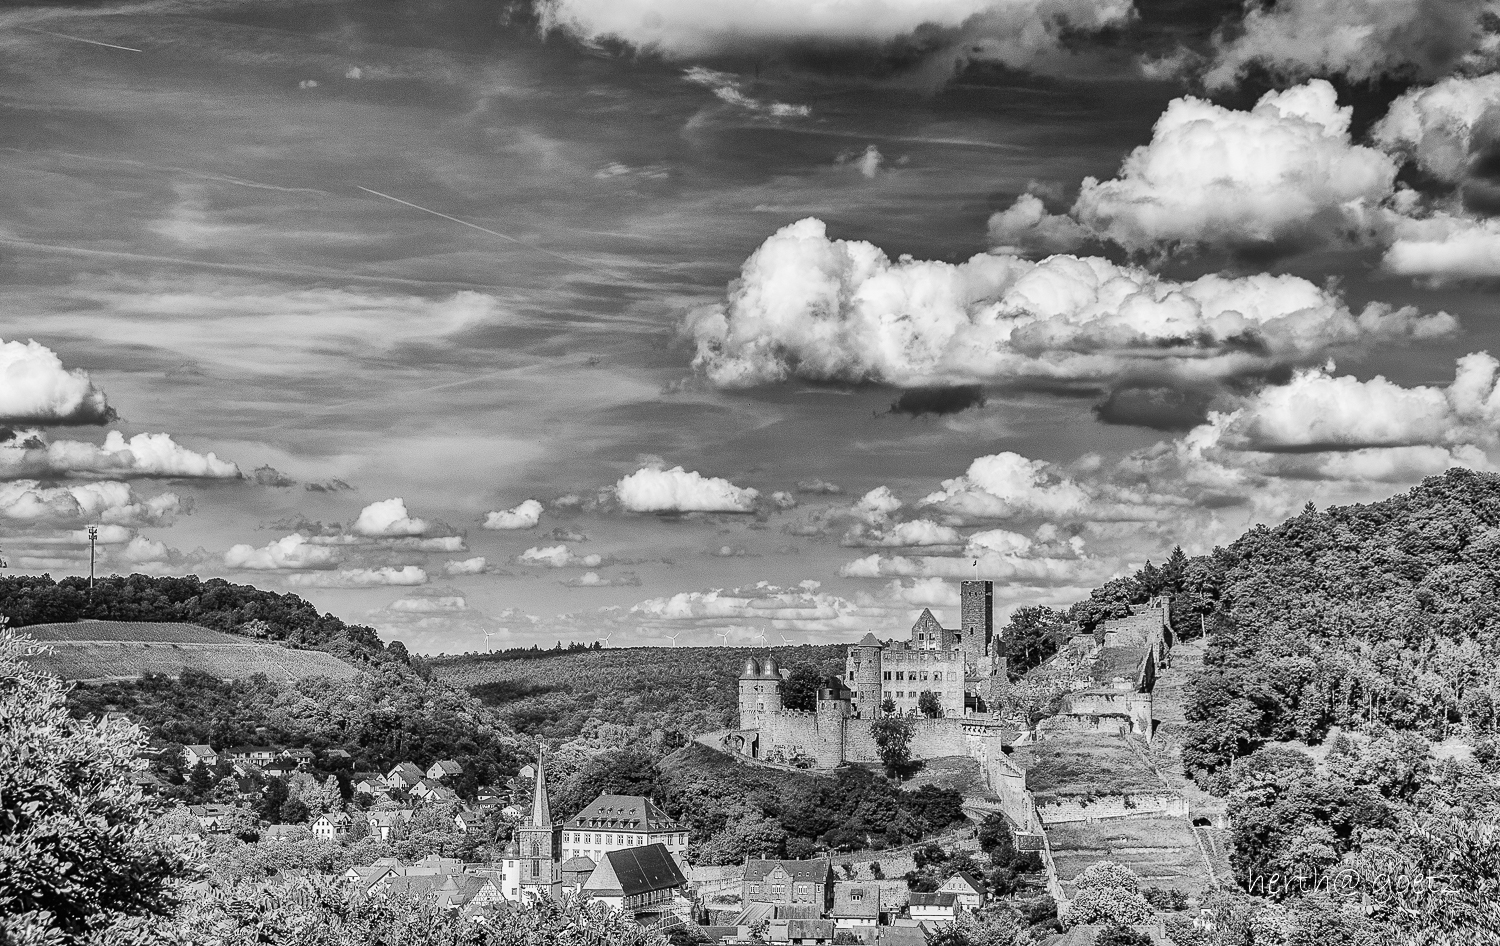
(541, 811)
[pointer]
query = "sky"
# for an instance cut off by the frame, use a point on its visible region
(649, 321)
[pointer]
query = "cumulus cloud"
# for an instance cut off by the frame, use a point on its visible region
(1283, 173)
(1444, 248)
(1364, 41)
(1016, 32)
(653, 489)
(438, 602)
(913, 533)
(268, 475)
(595, 580)
(818, 485)
(36, 389)
(823, 309)
(107, 502)
(287, 553)
(1438, 127)
(1008, 485)
(996, 554)
(28, 455)
(388, 518)
(558, 556)
(360, 577)
(477, 565)
(524, 516)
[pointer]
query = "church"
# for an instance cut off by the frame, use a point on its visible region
(621, 849)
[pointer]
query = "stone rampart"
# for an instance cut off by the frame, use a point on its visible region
(1106, 807)
(1112, 724)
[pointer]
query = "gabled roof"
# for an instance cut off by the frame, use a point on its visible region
(818, 870)
(856, 900)
(926, 622)
(933, 899)
(809, 929)
(633, 871)
(407, 771)
(447, 767)
(964, 879)
(622, 813)
(200, 750)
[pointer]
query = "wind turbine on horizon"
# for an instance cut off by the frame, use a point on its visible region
(609, 635)
(487, 647)
(673, 637)
(724, 635)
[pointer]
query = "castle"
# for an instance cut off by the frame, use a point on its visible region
(964, 671)
(958, 666)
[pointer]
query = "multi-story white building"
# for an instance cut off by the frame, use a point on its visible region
(617, 822)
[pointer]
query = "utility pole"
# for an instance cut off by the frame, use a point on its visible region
(93, 537)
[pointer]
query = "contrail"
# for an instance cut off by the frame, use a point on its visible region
(474, 226)
(77, 39)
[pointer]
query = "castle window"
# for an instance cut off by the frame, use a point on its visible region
(900, 675)
(887, 675)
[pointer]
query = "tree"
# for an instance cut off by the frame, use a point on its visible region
(77, 856)
(799, 691)
(200, 780)
(294, 811)
(1118, 934)
(888, 706)
(893, 743)
(929, 704)
(1108, 893)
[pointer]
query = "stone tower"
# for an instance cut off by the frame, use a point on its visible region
(864, 676)
(536, 843)
(977, 613)
(760, 691)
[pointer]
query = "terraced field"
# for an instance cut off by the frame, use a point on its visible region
(102, 651)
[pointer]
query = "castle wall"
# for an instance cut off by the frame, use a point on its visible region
(1146, 804)
(819, 736)
(1110, 725)
(1136, 707)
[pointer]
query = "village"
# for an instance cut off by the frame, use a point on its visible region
(1074, 798)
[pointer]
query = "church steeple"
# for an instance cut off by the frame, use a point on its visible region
(541, 808)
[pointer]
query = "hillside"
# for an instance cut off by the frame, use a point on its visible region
(687, 689)
(99, 651)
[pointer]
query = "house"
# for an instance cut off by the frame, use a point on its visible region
(372, 788)
(212, 817)
(298, 756)
(803, 932)
(255, 755)
(576, 870)
(337, 758)
(528, 771)
(777, 881)
(616, 822)
(933, 909)
(449, 891)
(900, 936)
(469, 822)
(433, 792)
(444, 769)
(856, 907)
(968, 888)
(282, 832)
(281, 768)
(382, 823)
(641, 882)
(799, 923)
(331, 826)
(404, 776)
(192, 756)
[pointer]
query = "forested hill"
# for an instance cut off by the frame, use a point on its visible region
(215, 604)
(1386, 614)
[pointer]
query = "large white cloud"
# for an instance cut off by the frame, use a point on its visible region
(524, 516)
(106, 502)
(1008, 485)
(287, 553)
(909, 534)
(360, 577)
(1435, 127)
(816, 308)
(1285, 171)
(477, 565)
(28, 455)
(1444, 247)
(35, 388)
(995, 554)
(653, 489)
(388, 518)
(1360, 39)
(1013, 31)
(1320, 411)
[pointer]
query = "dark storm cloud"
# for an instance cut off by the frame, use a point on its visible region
(1157, 408)
(938, 400)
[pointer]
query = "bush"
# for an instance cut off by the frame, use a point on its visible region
(1117, 934)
